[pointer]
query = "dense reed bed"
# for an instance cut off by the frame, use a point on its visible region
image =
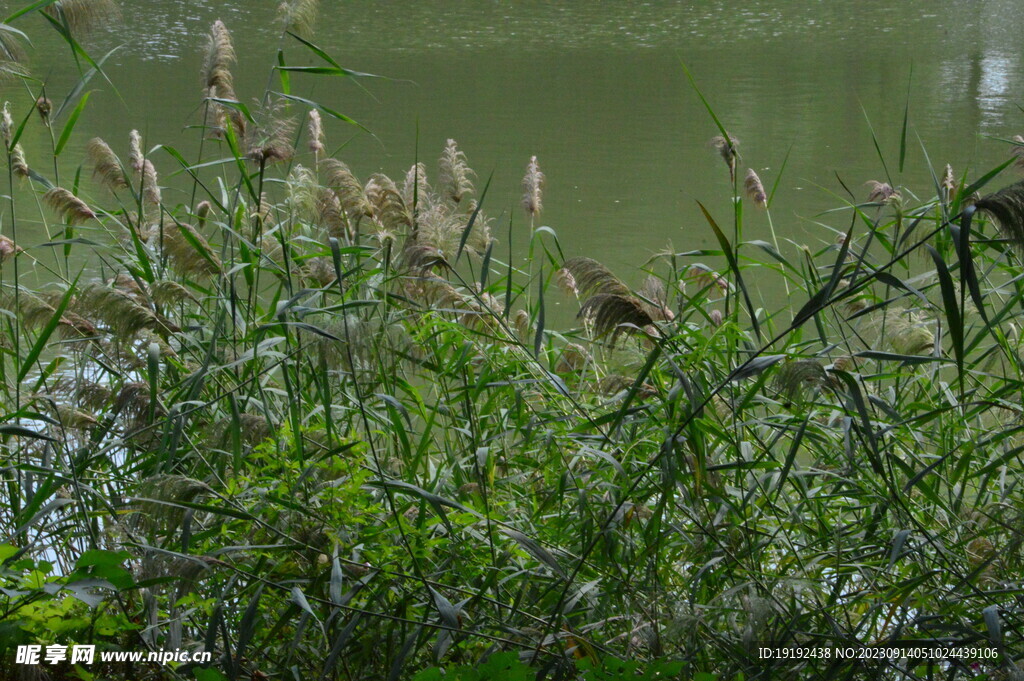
(320, 426)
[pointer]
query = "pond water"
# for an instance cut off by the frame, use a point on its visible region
(597, 92)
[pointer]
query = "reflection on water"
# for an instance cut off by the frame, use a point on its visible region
(596, 91)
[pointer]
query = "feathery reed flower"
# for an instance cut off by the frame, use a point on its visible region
(591, 277)
(189, 252)
(565, 281)
(613, 314)
(299, 16)
(105, 164)
(218, 83)
(948, 182)
(270, 140)
(388, 205)
(798, 378)
(881, 192)
(574, 358)
(415, 188)
(1006, 206)
(348, 189)
(707, 278)
(912, 339)
(6, 125)
(116, 308)
(316, 132)
(454, 173)
(167, 292)
(11, 55)
(44, 106)
(533, 184)
(754, 188)
(220, 57)
(8, 249)
(150, 184)
(19, 166)
(135, 155)
(202, 211)
(521, 323)
(1017, 152)
(83, 15)
(71, 208)
(727, 147)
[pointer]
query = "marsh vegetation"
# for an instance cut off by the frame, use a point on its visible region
(327, 426)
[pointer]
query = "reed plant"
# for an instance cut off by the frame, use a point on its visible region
(320, 427)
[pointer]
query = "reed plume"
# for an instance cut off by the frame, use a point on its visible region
(421, 258)
(613, 384)
(162, 498)
(149, 184)
(1006, 206)
(6, 125)
(707, 278)
(166, 292)
(8, 249)
(319, 270)
(655, 297)
(608, 303)
(68, 417)
(612, 314)
(905, 331)
(480, 236)
(415, 189)
(44, 106)
(454, 173)
(317, 204)
(117, 309)
(105, 164)
(523, 326)
(71, 208)
(10, 49)
(1018, 152)
(881, 192)
(755, 190)
(533, 184)
(316, 133)
(36, 312)
(203, 209)
(440, 229)
(218, 82)
(252, 428)
(798, 378)
(566, 282)
(727, 147)
(389, 207)
(573, 360)
(592, 278)
(189, 252)
(299, 16)
(220, 57)
(83, 15)
(270, 141)
(948, 183)
(11, 56)
(136, 157)
(912, 339)
(18, 164)
(346, 186)
(302, 191)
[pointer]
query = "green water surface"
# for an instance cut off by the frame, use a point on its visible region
(596, 91)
